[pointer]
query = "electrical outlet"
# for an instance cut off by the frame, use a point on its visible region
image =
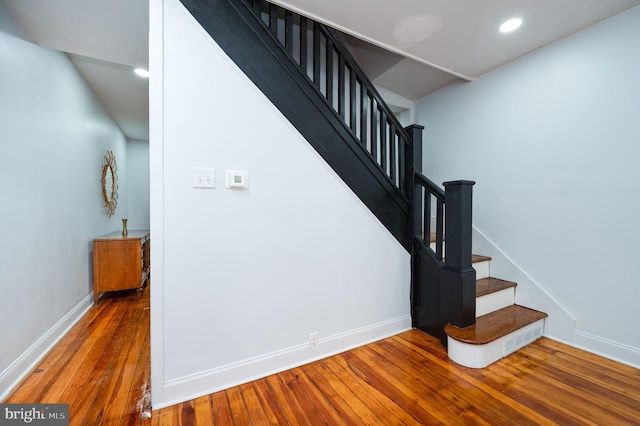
(313, 340)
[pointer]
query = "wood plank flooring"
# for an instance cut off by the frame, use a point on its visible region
(101, 368)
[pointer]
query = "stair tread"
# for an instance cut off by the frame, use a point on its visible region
(490, 285)
(475, 258)
(495, 325)
(432, 237)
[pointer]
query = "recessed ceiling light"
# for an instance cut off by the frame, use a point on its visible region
(142, 72)
(510, 25)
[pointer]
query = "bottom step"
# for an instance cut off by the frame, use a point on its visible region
(494, 336)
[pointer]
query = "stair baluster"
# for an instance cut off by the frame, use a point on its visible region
(330, 68)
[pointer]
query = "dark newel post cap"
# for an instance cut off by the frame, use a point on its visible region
(459, 183)
(414, 126)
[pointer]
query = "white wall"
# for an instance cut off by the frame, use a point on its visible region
(54, 136)
(552, 142)
(241, 277)
(407, 116)
(138, 184)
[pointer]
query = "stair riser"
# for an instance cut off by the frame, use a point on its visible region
(479, 356)
(494, 301)
(482, 268)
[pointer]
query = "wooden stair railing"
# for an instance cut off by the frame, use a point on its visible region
(306, 71)
(330, 67)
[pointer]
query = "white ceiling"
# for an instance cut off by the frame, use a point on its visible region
(417, 46)
(410, 47)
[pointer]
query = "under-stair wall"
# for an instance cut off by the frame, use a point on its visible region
(247, 276)
(242, 277)
(302, 67)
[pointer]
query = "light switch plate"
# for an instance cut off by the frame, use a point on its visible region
(203, 177)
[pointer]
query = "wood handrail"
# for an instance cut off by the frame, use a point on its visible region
(432, 187)
(422, 208)
(337, 41)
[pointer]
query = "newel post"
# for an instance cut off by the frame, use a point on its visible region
(458, 291)
(412, 157)
(413, 164)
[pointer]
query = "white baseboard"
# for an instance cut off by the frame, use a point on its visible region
(206, 382)
(608, 348)
(12, 375)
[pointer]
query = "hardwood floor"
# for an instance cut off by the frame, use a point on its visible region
(101, 368)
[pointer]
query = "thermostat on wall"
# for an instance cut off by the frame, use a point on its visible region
(235, 179)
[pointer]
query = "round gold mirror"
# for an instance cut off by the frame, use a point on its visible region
(109, 183)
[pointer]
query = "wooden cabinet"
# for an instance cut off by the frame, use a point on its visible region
(120, 263)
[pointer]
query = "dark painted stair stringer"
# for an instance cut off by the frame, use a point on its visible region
(255, 51)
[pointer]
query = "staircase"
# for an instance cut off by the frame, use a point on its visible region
(501, 327)
(306, 71)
